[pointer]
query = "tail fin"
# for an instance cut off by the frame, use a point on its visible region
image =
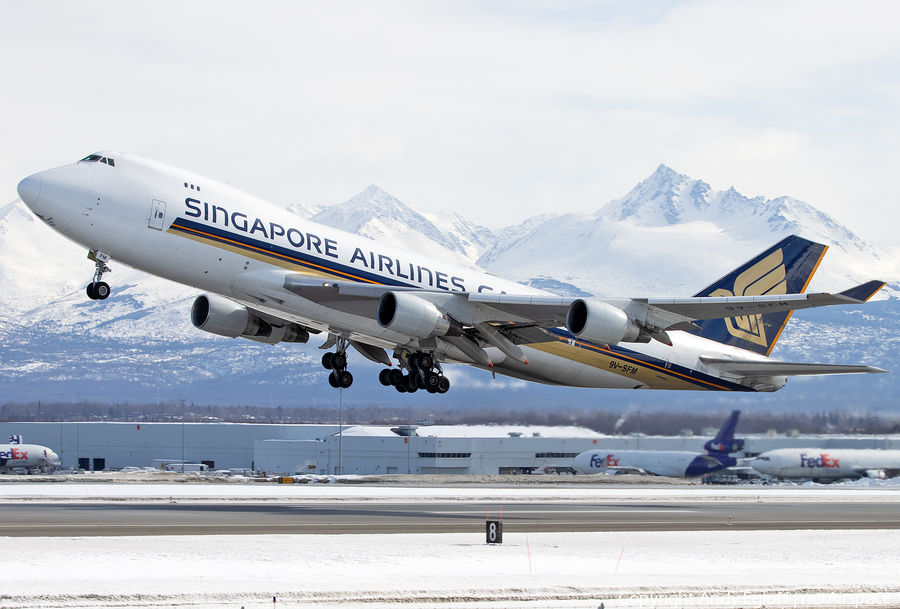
(785, 268)
(724, 441)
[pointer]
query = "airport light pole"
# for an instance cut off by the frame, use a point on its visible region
(408, 440)
(341, 431)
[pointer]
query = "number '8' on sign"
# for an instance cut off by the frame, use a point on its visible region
(494, 531)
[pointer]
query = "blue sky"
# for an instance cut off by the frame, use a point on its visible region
(498, 110)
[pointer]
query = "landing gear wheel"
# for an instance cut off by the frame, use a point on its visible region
(401, 387)
(339, 360)
(90, 291)
(101, 290)
(327, 362)
(384, 377)
(396, 377)
(431, 382)
(443, 384)
(344, 379)
(333, 381)
(425, 361)
(411, 386)
(420, 382)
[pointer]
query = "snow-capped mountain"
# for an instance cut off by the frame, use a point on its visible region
(670, 235)
(375, 214)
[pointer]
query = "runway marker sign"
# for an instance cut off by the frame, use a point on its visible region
(494, 528)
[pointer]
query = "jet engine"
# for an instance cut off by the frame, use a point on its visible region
(414, 316)
(599, 322)
(225, 317)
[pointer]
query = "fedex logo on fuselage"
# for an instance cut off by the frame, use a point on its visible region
(13, 453)
(598, 460)
(822, 460)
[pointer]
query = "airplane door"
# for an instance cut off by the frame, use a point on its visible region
(157, 214)
(671, 359)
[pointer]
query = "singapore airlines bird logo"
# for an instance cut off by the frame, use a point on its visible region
(765, 277)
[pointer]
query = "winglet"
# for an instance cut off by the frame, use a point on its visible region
(864, 292)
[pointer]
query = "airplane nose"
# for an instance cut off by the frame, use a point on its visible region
(57, 195)
(579, 463)
(29, 189)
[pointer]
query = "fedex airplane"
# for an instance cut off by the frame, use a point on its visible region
(271, 276)
(18, 455)
(828, 463)
(673, 464)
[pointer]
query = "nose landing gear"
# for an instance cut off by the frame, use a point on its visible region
(96, 289)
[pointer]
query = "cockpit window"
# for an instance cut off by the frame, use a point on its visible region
(93, 158)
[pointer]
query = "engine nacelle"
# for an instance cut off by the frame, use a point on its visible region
(414, 316)
(599, 322)
(219, 315)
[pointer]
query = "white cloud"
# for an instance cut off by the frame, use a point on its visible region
(498, 111)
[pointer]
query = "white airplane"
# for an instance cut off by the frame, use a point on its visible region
(828, 463)
(272, 276)
(670, 463)
(28, 456)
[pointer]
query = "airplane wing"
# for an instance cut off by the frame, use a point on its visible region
(488, 314)
(736, 306)
(771, 368)
(668, 313)
(546, 310)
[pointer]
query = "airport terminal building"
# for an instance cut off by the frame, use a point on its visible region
(323, 449)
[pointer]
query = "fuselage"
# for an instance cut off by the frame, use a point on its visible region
(825, 463)
(199, 232)
(674, 464)
(26, 455)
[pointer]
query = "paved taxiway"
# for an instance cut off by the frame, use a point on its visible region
(106, 519)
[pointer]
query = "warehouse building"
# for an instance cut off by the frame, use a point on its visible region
(322, 449)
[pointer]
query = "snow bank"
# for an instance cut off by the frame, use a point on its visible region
(726, 568)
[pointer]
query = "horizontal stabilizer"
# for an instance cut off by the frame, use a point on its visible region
(863, 292)
(772, 368)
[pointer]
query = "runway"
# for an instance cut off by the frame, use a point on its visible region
(142, 519)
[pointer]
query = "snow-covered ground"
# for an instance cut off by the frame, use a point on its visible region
(825, 568)
(326, 490)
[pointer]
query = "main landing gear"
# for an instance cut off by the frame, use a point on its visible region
(96, 289)
(423, 373)
(339, 378)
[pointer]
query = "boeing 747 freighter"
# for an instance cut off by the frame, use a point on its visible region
(271, 276)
